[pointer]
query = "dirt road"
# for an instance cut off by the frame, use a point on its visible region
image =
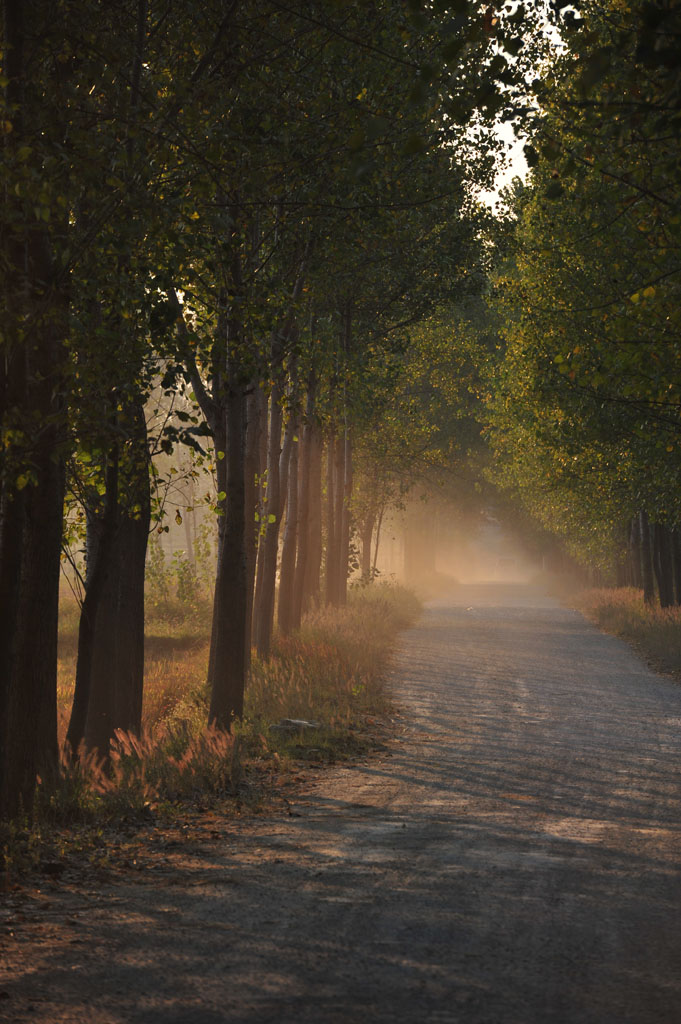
(516, 859)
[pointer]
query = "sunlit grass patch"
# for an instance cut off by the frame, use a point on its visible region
(331, 672)
(654, 631)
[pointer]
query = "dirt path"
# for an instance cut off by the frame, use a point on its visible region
(515, 860)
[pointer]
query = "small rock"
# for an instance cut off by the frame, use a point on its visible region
(294, 725)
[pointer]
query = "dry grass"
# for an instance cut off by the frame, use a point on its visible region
(176, 657)
(331, 672)
(655, 632)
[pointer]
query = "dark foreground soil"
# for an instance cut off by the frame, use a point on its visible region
(513, 858)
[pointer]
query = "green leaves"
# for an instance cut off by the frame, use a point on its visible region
(554, 190)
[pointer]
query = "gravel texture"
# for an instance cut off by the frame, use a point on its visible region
(513, 858)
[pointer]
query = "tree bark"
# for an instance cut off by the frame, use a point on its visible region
(331, 560)
(662, 562)
(304, 538)
(32, 389)
(676, 564)
(101, 534)
(229, 659)
(646, 559)
(288, 552)
(264, 603)
(252, 472)
(379, 524)
(366, 533)
(311, 583)
(635, 553)
(116, 620)
(344, 546)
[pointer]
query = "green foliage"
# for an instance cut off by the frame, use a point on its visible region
(584, 407)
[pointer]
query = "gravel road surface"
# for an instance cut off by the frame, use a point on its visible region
(514, 858)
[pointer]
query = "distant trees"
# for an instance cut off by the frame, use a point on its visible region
(585, 419)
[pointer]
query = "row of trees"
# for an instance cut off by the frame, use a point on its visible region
(584, 405)
(246, 207)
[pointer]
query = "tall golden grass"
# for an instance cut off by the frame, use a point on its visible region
(654, 631)
(331, 672)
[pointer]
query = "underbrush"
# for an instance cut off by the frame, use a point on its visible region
(316, 701)
(654, 631)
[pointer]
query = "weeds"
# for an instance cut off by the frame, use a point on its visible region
(654, 631)
(330, 672)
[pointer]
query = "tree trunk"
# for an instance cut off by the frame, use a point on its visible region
(133, 538)
(646, 559)
(261, 517)
(344, 546)
(100, 539)
(311, 583)
(187, 520)
(676, 564)
(227, 680)
(288, 553)
(366, 533)
(378, 537)
(264, 615)
(219, 431)
(340, 570)
(32, 389)
(635, 553)
(134, 525)
(304, 538)
(31, 736)
(254, 429)
(34, 518)
(116, 664)
(662, 562)
(331, 561)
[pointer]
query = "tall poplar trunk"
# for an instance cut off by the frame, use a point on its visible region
(366, 533)
(304, 497)
(189, 522)
(330, 560)
(261, 514)
(100, 540)
(662, 562)
(344, 545)
(31, 551)
(313, 564)
(228, 669)
(288, 552)
(264, 604)
(339, 495)
(635, 553)
(133, 538)
(676, 564)
(32, 389)
(254, 429)
(646, 559)
(378, 538)
(110, 670)
(219, 431)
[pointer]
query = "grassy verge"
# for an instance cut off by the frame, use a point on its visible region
(330, 674)
(654, 632)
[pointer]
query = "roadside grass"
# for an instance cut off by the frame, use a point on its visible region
(329, 675)
(654, 632)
